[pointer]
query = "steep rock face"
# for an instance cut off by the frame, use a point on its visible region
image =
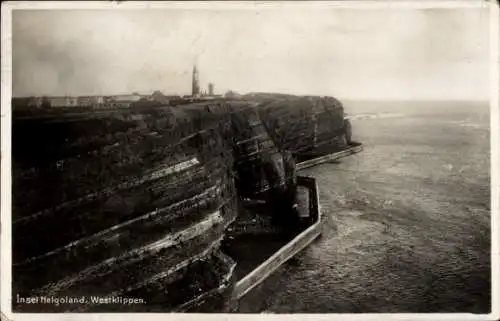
(122, 203)
(301, 124)
(258, 164)
(134, 203)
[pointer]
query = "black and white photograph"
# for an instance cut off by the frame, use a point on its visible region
(248, 157)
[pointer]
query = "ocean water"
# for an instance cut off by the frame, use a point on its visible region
(407, 221)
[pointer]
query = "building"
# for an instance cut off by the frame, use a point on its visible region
(210, 89)
(126, 97)
(232, 94)
(63, 101)
(44, 102)
(158, 96)
(90, 100)
(121, 101)
(195, 83)
(23, 103)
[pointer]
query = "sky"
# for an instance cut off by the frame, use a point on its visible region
(383, 53)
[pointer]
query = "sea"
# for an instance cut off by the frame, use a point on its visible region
(406, 222)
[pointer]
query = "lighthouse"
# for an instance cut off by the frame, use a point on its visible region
(196, 83)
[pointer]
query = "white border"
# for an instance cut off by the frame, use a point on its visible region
(5, 237)
(246, 5)
(495, 157)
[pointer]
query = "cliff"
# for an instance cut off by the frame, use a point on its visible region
(127, 203)
(135, 202)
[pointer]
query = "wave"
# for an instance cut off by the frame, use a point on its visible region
(375, 116)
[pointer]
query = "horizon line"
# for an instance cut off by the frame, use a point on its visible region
(373, 99)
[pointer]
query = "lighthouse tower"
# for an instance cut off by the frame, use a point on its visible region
(196, 83)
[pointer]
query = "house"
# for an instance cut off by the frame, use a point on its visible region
(62, 101)
(90, 100)
(22, 103)
(164, 99)
(127, 98)
(121, 101)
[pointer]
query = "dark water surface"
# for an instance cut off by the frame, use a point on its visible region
(407, 221)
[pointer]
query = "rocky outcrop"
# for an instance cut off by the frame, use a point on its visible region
(134, 203)
(301, 124)
(121, 204)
